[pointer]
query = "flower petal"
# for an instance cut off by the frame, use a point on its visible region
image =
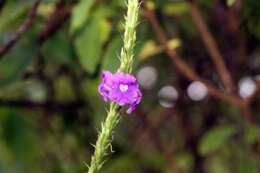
(109, 89)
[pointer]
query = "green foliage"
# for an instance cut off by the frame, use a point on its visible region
(18, 135)
(248, 167)
(129, 39)
(61, 53)
(50, 109)
(252, 134)
(19, 59)
(62, 86)
(89, 41)
(215, 138)
(185, 161)
(80, 14)
(20, 142)
(230, 2)
(111, 57)
(178, 8)
(14, 15)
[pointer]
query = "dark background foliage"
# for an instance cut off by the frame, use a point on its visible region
(51, 56)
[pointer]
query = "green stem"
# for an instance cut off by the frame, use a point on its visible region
(104, 139)
(126, 57)
(127, 51)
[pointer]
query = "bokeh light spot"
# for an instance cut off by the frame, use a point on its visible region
(147, 77)
(167, 96)
(197, 91)
(247, 87)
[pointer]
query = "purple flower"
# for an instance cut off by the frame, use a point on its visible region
(121, 88)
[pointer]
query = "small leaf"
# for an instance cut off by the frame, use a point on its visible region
(150, 5)
(230, 2)
(215, 138)
(175, 8)
(46, 9)
(149, 49)
(174, 43)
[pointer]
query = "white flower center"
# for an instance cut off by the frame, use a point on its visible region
(123, 87)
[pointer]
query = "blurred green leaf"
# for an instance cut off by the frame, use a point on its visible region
(98, 105)
(61, 53)
(252, 134)
(80, 14)
(154, 160)
(125, 162)
(230, 2)
(150, 49)
(216, 164)
(185, 161)
(14, 14)
(175, 8)
(46, 9)
(111, 61)
(90, 40)
(16, 90)
(19, 137)
(214, 139)
(118, 3)
(16, 61)
(64, 90)
(4, 114)
(247, 167)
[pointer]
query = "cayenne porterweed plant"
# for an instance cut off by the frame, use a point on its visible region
(120, 89)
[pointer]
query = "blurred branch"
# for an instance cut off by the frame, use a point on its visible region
(152, 130)
(237, 6)
(229, 24)
(21, 30)
(191, 136)
(211, 46)
(57, 19)
(182, 67)
(60, 15)
(185, 70)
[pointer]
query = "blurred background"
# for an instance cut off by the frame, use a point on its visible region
(197, 63)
